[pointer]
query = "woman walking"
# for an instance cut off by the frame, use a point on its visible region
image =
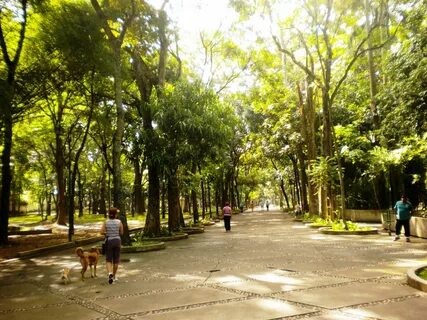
(227, 216)
(112, 229)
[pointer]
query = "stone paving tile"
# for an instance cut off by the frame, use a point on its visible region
(371, 271)
(29, 300)
(18, 290)
(124, 286)
(163, 300)
(414, 308)
(252, 309)
(348, 294)
(279, 281)
(333, 315)
(236, 275)
(62, 312)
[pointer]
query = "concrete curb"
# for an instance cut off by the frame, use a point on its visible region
(315, 226)
(414, 280)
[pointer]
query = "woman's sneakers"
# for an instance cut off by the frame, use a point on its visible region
(110, 278)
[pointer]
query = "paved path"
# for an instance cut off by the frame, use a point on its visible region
(267, 267)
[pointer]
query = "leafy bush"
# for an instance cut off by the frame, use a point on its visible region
(339, 225)
(322, 222)
(308, 218)
(422, 214)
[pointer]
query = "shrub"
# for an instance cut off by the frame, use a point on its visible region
(338, 225)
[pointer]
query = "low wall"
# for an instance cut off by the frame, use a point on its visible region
(363, 215)
(417, 225)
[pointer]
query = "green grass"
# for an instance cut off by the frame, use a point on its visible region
(89, 218)
(28, 219)
(35, 219)
(423, 274)
(308, 218)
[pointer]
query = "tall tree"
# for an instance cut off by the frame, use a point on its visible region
(13, 26)
(116, 22)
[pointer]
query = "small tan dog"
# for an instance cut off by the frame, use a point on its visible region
(88, 259)
(65, 275)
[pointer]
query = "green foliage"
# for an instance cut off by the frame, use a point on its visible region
(324, 172)
(26, 219)
(423, 273)
(309, 218)
(338, 225)
(322, 222)
(164, 232)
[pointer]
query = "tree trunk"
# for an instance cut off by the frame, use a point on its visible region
(7, 94)
(194, 198)
(137, 188)
(308, 116)
(202, 187)
(163, 190)
(60, 175)
(282, 187)
(103, 194)
(209, 200)
(186, 203)
(118, 134)
(152, 222)
(217, 201)
(6, 177)
(173, 202)
(303, 179)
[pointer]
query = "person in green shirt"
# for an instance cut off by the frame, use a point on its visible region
(403, 210)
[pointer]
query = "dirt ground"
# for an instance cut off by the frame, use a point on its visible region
(18, 243)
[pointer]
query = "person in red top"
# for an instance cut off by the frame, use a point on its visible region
(227, 216)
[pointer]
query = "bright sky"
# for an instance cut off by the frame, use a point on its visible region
(205, 14)
(195, 16)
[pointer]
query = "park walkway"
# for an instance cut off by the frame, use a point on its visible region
(267, 267)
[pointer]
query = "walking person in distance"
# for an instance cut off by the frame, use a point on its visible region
(227, 216)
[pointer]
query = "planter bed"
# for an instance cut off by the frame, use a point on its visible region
(30, 232)
(178, 236)
(144, 248)
(416, 281)
(193, 230)
(328, 230)
(208, 223)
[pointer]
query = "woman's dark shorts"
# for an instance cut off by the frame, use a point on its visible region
(113, 251)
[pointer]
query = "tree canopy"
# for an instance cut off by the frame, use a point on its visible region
(324, 108)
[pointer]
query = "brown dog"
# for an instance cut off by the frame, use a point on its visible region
(88, 259)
